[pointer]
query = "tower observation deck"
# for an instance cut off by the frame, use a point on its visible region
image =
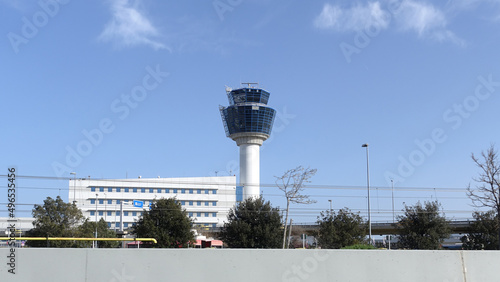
(248, 121)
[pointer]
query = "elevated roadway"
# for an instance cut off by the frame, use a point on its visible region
(386, 228)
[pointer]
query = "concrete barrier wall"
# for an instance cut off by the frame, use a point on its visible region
(248, 265)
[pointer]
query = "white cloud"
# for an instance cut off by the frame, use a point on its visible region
(129, 27)
(425, 19)
(420, 17)
(492, 13)
(355, 18)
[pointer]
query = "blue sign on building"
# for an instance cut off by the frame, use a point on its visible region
(239, 193)
(138, 204)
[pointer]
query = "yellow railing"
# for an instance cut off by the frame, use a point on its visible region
(77, 239)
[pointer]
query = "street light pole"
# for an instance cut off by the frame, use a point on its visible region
(74, 186)
(105, 206)
(392, 182)
(368, 187)
(95, 242)
(390, 236)
(330, 206)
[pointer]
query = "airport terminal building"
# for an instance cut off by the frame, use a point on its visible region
(207, 200)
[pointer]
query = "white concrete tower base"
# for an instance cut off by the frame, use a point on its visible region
(249, 144)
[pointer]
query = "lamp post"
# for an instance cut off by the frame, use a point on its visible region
(95, 242)
(330, 206)
(368, 187)
(105, 206)
(392, 182)
(74, 186)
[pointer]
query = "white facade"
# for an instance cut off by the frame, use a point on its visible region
(22, 224)
(207, 200)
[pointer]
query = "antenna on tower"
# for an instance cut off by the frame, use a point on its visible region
(250, 84)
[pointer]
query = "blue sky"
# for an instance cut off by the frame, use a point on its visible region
(417, 80)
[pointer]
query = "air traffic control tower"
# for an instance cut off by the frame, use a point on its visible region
(248, 121)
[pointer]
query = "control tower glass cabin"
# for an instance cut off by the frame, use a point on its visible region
(248, 121)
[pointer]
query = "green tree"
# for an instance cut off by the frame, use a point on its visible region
(253, 223)
(167, 222)
(337, 230)
(483, 232)
(87, 230)
(422, 227)
(55, 218)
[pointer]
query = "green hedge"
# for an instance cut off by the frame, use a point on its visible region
(360, 246)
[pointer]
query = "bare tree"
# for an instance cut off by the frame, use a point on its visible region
(292, 183)
(487, 192)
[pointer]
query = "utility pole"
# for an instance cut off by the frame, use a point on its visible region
(368, 186)
(74, 186)
(95, 242)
